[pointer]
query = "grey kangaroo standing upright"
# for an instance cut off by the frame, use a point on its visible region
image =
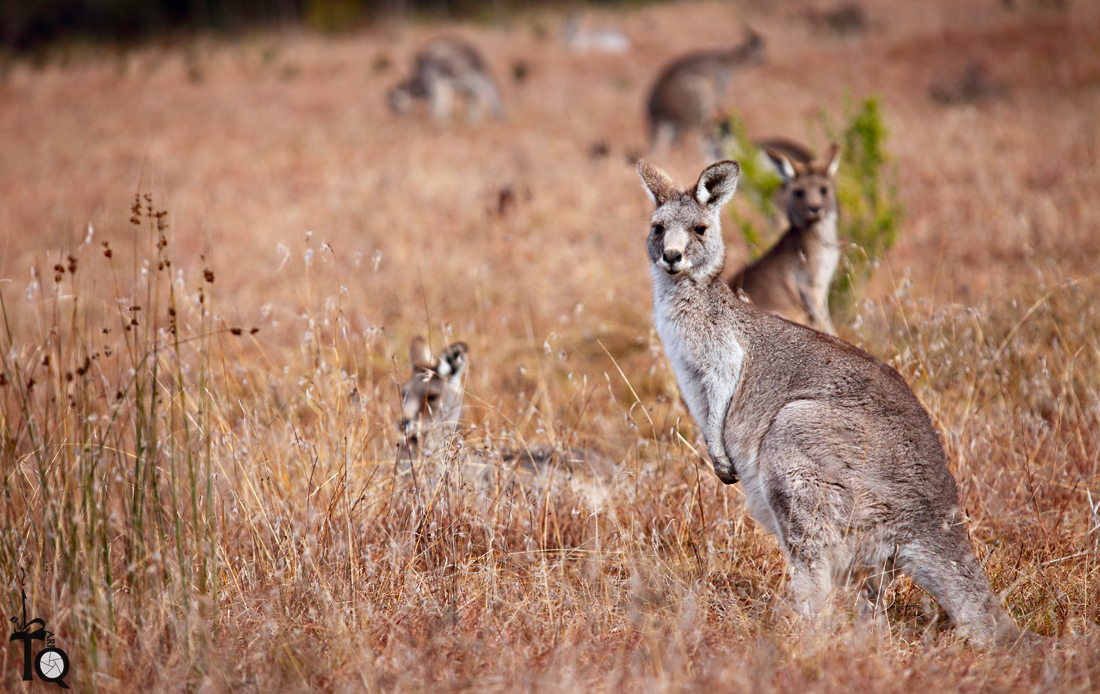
(688, 94)
(446, 67)
(792, 279)
(837, 456)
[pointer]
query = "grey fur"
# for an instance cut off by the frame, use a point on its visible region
(837, 456)
(444, 68)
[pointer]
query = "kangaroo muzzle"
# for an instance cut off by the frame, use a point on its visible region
(672, 258)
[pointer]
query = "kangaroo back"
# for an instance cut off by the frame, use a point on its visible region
(688, 93)
(792, 279)
(445, 68)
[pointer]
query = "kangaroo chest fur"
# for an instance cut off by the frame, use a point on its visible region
(822, 246)
(707, 358)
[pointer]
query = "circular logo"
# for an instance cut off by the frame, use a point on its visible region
(51, 664)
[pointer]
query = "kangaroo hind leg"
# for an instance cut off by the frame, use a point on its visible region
(871, 608)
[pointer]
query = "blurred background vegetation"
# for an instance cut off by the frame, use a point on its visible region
(26, 25)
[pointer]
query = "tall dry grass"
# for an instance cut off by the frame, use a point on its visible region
(198, 506)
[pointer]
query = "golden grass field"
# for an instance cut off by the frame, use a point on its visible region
(199, 510)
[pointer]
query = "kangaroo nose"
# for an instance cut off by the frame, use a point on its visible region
(673, 256)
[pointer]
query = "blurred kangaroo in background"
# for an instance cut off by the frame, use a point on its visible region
(444, 68)
(688, 94)
(792, 279)
(431, 400)
(431, 409)
(837, 456)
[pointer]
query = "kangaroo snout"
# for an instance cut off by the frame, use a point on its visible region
(671, 260)
(672, 250)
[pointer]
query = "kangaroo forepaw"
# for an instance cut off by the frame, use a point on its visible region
(723, 467)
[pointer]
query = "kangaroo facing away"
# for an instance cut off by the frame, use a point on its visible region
(431, 410)
(444, 68)
(837, 456)
(792, 279)
(688, 93)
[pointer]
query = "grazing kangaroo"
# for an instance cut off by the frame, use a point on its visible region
(837, 456)
(792, 279)
(431, 409)
(688, 94)
(445, 67)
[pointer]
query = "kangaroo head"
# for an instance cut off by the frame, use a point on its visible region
(431, 400)
(685, 234)
(810, 188)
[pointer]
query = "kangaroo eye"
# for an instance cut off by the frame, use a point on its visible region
(799, 193)
(824, 190)
(658, 229)
(700, 230)
(432, 397)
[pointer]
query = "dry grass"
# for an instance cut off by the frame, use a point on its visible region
(200, 510)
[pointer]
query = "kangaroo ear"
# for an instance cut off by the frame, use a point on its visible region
(453, 360)
(658, 185)
(419, 355)
(782, 164)
(717, 183)
(833, 160)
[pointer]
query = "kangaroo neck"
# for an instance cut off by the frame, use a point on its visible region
(695, 298)
(822, 231)
(825, 229)
(670, 288)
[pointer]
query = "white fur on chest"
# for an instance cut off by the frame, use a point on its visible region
(828, 252)
(706, 359)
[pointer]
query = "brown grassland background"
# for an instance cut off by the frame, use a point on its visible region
(201, 510)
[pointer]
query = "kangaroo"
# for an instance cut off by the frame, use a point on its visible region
(431, 408)
(431, 400)
(837, 456)
(688, 94)
(792, 279)
(445, 67)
